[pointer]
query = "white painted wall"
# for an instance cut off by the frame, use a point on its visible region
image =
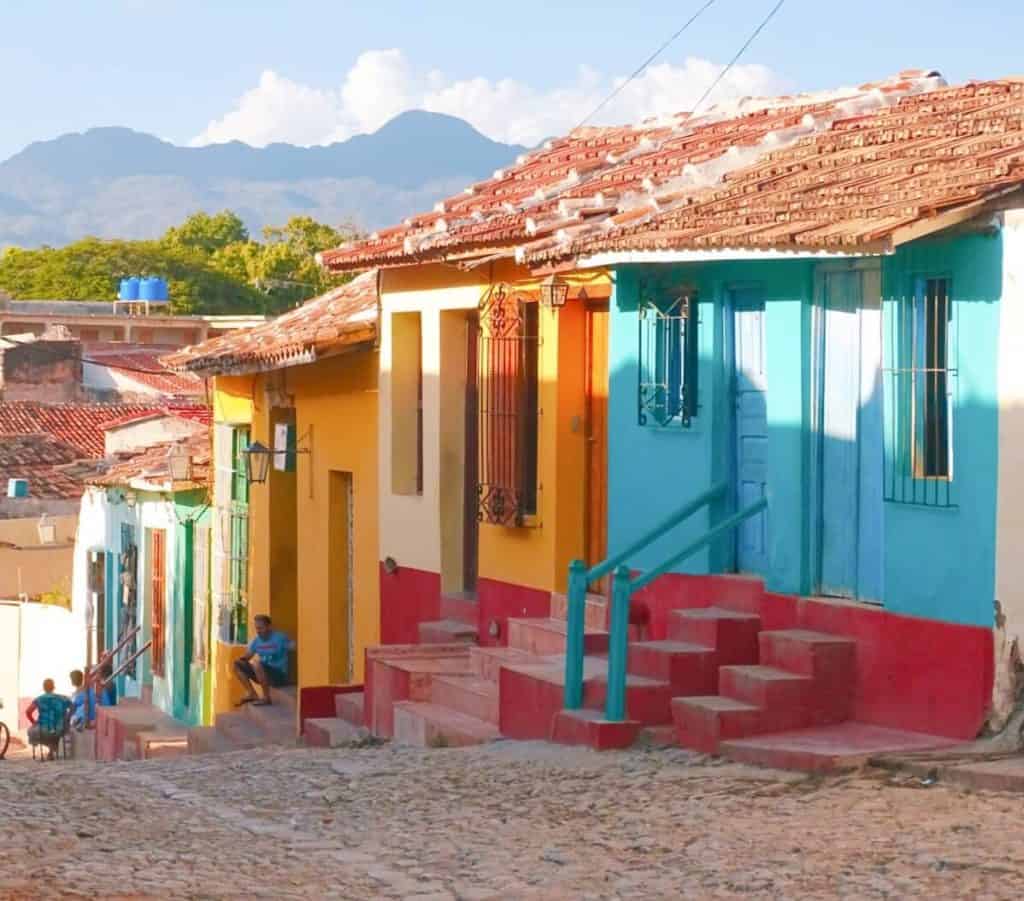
(147, 432)
(410, 524)
(1009, 636)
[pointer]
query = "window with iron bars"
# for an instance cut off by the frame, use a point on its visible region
(920, 390)
(509, 409)
(668, 361)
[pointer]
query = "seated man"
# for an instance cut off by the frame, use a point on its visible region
(266, 662)
(48, 717)
(83, 702)
(104, 684)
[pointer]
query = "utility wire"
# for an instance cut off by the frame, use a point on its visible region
(639, 71)
(739, 53)
(119, 366)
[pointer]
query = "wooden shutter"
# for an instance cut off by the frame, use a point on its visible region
(200, 594)
(158, 593)
(508, 348)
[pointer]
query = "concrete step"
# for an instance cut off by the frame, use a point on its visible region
(690, 669)
(431, 726)
(817, 654)
(588, 727)
(278, 724)
(208, 740)
(703, 723)
(446, 631)
(548, 636)
(595, 610)
(467, 694)
(487, 662)
(285, 697)
(648, 701)
(331, 732)
(732, 635)
(767, 687)
(153, 745)
(348, 706)
(240, 730)
(460, 606)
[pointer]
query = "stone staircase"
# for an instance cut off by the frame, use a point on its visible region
(713, 677)
(249, 726)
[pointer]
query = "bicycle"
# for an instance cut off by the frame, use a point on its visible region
(5, 735)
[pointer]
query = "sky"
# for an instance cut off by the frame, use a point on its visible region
(311, 72)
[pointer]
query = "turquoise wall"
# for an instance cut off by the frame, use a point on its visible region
(939, 563)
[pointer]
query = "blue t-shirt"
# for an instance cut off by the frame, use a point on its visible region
(84, 704)
(108, 697)
(273, 650)
(50, 711)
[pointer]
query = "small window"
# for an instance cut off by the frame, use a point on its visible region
(920, 388)
(158, 598)
(668, 361)
(509, 407)
(932, 457)
(406, 403)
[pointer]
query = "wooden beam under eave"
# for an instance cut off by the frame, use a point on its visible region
(1007, 199)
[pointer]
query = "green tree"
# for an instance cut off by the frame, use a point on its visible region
(208, 233)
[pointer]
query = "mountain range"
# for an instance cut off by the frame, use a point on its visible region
(119, 183)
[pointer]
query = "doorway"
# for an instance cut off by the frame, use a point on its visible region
(471, 459)
(596, 432)
(848, 428)
(340, 576)
(750, 425)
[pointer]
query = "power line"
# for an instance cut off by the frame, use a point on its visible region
(650, 59)
(88, 360)
(739, 53)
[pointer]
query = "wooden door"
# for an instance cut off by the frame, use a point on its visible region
(850, 515)
(596, 544)
(750, 385)
(471, 505)
(158, 597)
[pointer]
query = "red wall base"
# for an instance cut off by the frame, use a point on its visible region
(316, 701)
(500, 600)
(916, 674)
(408, 597)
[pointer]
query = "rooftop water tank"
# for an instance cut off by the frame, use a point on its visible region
(17, 487)
(153, 289)
(129, 289)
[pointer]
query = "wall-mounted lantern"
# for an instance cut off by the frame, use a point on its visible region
(258, 458)
(554, 292)
(47, 530)
(179, 464)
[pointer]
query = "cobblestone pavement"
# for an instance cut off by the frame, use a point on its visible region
(506, 821)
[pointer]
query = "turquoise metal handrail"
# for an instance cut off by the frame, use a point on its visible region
(580, 577)
(623, 588)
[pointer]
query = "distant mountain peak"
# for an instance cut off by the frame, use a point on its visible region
(61, 189)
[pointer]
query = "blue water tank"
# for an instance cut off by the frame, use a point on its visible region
(148, 289)
(161, 289)
(17, 488)
(129, 289)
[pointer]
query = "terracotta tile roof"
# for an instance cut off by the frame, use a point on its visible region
(844, 169)
(79, 425)
(151, 464)
(142, 364)
(44, 462)
(341, 319)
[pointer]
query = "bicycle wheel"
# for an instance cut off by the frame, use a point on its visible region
(5, 739)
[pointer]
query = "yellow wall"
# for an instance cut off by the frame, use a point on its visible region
(424, 531)
(233, 399)
(336, 416)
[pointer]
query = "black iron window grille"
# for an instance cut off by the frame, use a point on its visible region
(508, 348)
(919, 396)
(668, 361)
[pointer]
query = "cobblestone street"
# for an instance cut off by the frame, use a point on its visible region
(505, 821)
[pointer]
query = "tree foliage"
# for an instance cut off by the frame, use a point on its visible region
(210, 262)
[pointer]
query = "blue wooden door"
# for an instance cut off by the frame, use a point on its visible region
(751, 426)
(850, 436)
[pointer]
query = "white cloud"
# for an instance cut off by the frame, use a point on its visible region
(382, 84)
